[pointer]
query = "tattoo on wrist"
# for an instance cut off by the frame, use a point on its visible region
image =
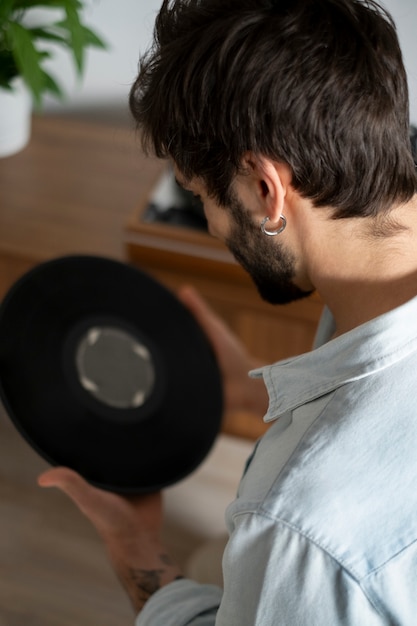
(146, 581)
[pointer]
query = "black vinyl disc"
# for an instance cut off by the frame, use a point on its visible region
(104, 371)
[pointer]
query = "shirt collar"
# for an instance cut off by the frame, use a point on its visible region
(369, 348)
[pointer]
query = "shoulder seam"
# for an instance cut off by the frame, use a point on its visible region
(259, 511)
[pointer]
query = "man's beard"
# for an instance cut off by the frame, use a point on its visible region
(271, 268)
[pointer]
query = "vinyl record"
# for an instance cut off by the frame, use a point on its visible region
(103, 370)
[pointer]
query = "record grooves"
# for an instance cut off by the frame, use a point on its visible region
(103, 370)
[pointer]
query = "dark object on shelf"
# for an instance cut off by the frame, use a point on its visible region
(171, 204)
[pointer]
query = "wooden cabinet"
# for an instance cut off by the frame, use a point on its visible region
(70, 191)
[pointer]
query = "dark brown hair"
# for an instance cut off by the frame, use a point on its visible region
(317, 84)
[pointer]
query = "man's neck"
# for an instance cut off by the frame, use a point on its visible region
(361, 276)
(355, 304)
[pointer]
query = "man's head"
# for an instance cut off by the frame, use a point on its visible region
(316, 84)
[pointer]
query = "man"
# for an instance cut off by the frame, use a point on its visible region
(289, 118)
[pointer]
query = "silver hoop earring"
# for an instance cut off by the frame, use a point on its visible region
(272, 233)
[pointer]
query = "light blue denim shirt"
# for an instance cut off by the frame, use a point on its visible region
(323, 531)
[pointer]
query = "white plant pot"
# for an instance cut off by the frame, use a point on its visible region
(15, 118)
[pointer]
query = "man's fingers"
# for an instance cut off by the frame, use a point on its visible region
(207, 319)
(191, 298)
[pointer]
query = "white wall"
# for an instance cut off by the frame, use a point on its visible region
(127, 27)
(404, 13)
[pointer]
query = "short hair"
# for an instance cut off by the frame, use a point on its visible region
(317, 84)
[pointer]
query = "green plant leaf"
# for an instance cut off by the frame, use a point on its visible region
(92, 39)
(51, 85)
(6, 8)
(27, 59)
(44, 54)
(19, 53)
(47, 35)
(8, 68)
(73, 25)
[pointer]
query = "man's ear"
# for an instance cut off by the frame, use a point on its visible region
(272, 182)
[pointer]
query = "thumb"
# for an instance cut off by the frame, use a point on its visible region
(86, 497)
(58, 477)
(109, 512)
(62, 477)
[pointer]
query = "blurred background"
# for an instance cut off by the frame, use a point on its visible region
(127, 28)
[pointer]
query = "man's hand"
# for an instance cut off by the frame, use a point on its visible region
(241, 392)
(130, 529)
(130, 526)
